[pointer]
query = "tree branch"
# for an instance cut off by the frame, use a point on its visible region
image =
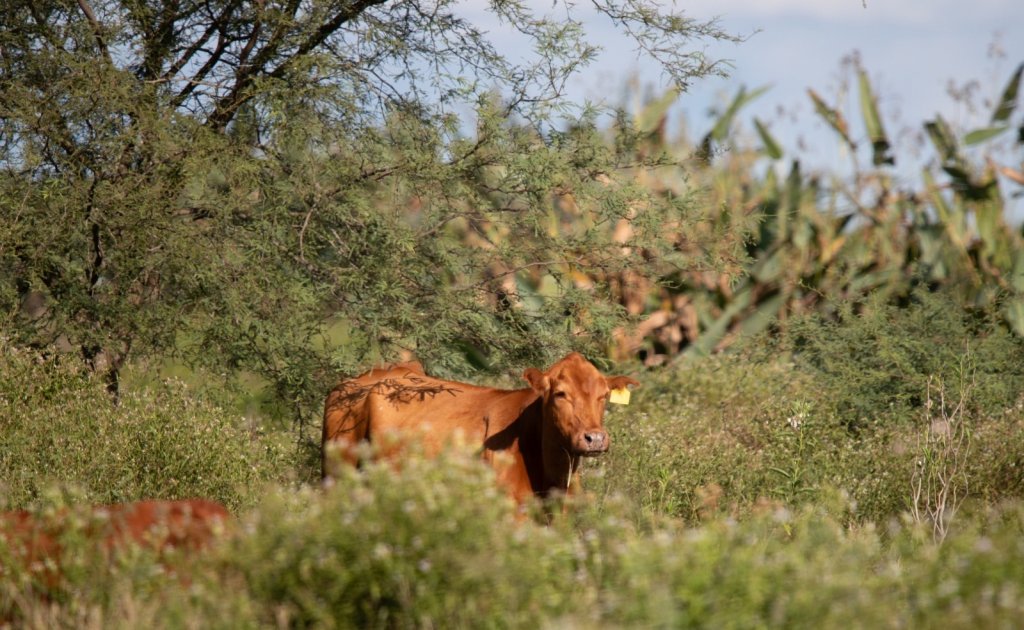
(243, 56)
(229, 104)
(197, 78)
(246, 72)
(158, 40)
(97, 29)
(216, 24)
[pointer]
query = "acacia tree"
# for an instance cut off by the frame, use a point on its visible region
(293, 186)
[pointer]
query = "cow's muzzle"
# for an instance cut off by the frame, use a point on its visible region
(592, 443)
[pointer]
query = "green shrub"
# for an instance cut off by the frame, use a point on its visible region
(58, 424)
(434, 545)
(88, 587)
(876, 360)
(727, 432)
(750, 503)
(805, 568)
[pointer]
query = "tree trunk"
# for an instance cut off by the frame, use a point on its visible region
(107, 363)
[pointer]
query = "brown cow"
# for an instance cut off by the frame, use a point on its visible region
(189, 524)
(533, 437)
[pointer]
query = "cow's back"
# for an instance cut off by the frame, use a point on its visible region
(347, 414)
(437, 413)
(393, 406)
(188, 523)
(34, 541)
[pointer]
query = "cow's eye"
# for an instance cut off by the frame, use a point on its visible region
(561, 394)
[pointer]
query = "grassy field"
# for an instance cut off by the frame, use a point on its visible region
(794, 482)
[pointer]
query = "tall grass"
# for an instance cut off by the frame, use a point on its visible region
(821, 407)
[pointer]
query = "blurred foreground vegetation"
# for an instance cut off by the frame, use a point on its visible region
(434, 545)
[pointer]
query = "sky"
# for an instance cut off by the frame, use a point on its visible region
(913, 51)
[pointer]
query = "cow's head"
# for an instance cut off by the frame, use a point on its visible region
(574, 395)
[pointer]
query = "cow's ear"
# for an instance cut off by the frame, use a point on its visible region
(619, 382)
(537, 380)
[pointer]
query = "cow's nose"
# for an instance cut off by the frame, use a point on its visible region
(595, 441)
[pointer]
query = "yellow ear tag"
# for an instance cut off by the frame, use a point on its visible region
(619, 396)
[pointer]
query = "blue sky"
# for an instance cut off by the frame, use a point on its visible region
(913, 50)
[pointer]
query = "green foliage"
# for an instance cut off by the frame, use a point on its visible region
(725, 434)
(267, 210)
(843, 409)
(815, 240)
(88, 587)
(873, 122)
(360, 556)
(223, 185)
(878, 359)
(58, 425)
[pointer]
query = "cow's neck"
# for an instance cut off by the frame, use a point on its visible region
(549, 465)
(559, 465)
(516, 426)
